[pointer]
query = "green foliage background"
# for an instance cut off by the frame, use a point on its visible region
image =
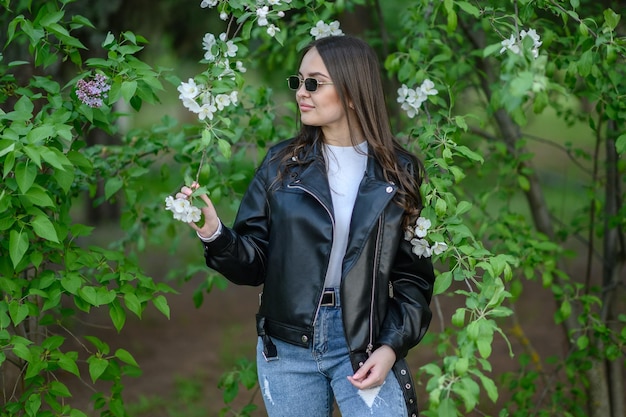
(507, 217)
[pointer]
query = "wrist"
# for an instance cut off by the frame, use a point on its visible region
(213, 236)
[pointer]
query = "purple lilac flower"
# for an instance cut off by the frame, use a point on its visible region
(91, 92)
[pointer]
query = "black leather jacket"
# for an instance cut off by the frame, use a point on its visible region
(282, 238)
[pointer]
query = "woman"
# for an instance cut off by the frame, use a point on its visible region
(321, 226)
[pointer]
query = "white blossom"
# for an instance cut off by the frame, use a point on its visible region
(208, 3)
(421, 248)
(224, 16)
(273, 2)
(182, 209)
(262, 13)
(193, 214)
(272, 29)
(222, 100)
(206, 111)
(514, 44)
(231, 49)
(323, 30)
(410, 110)
(239, 66)
(188, 90)
(234, 97)
(411, 99)
(208, 42)
(191, 105)
(428, 88)
(439, 247)
(421, 227)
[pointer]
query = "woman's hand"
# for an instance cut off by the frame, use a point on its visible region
(211, 221)
(375, 369)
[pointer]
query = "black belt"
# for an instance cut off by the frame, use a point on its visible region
(328, 298)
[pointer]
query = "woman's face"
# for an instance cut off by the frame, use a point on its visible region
(321, 107)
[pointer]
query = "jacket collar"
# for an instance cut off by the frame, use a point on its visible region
(373, 195)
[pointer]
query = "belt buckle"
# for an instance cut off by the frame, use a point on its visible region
(332, 298)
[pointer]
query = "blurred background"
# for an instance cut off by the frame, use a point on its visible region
(211, 332)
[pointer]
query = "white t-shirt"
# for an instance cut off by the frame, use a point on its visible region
(345, 168)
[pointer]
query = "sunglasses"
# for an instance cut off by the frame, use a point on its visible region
(310, 84)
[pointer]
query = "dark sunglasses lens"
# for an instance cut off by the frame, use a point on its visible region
(310, 84)
(293, 82)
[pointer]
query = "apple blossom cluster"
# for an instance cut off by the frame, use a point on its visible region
(412, 99)
(514, 44)
(93, 91)
(416, 236)
(198, 99)
(323, 30)
(263, 10)
(182, 209)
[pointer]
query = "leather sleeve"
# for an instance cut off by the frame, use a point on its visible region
(239, 253)
(408, 312)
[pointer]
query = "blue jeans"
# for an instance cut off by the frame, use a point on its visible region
(302, 382)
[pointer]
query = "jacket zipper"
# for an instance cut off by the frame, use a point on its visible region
(332, 221)
(370, 345)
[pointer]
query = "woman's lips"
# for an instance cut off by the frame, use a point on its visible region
(305, 107)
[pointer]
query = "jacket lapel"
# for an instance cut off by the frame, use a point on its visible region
(374, 195)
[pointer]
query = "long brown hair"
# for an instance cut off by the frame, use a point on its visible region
(353, 66)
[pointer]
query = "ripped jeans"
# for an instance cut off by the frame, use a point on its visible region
(302, 382)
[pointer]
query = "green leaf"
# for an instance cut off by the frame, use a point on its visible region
(128, 89)
(458, 318)
(117, 314)
(620, 144)
(224, 147)
(469, 154)
(97, 366)
(77, 413)
(18, 245)
(463, 207)
(22, 351)
(65, 179)
(522, 84)
(71, 282)
(585, 62)
(39, 134)
(68, 364)
(133, 303)
(446, 408)
(489, 386)
(59, 389)
(112, 186)
(18, 312)
(523, 182)
(442, 283)
(484, 346)
(108, 41)
(491, 49)
(6, 146)
(45, 229)
(611, 18)
(96, 296)
(126, 357)
(38, 196)
(582, 342)
(55, 158)
(25, 174)
(160, 303)
(468, 8)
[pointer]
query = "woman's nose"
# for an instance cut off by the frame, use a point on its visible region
(302, 91)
